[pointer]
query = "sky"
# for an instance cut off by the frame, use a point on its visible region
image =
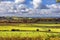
(49, 2)
(28, 2)
(43, 1)
(30, 8)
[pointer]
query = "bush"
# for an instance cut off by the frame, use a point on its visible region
(15, 30)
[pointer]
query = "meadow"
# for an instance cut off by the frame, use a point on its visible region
(29, 31)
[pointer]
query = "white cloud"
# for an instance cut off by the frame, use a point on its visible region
(55, 6)
(5, 2)
(36, 3)
(6, 6)
(19, 1)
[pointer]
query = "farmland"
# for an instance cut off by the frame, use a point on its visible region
(32, 31)
(29, 29)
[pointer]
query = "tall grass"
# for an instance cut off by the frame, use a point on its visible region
(29, 36)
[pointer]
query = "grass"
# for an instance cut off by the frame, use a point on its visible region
(25, 34)
(32, 32)
(25, 24)
(28, 35)
(30, 28)
(41, 27)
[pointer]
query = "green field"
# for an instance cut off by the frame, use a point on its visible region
(29, 35)
(41, 27)
(30, 30)
(26, 34)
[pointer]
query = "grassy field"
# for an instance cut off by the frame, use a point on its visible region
(25, 24)
(29, 35)
(30, 32)
(41, 27)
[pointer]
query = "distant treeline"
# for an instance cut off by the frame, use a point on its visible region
(27, 20)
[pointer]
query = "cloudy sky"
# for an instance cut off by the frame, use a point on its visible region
(30, 8)
(34, 3)
(28, 2)
(43, 1)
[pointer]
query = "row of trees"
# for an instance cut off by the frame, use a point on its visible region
(28, 20)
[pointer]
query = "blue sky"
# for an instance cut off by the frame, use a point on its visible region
(43, 1)
(49, 1)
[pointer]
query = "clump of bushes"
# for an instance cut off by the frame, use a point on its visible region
(15, 30)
